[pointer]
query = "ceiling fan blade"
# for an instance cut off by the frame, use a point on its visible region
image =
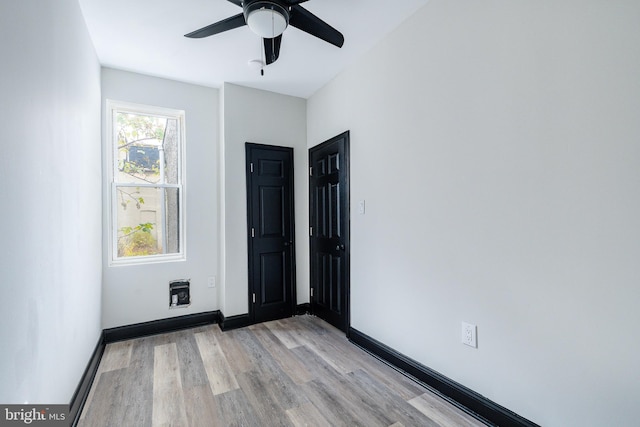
(218, 27)
(306, 21)
(236, 2)
(272, 49)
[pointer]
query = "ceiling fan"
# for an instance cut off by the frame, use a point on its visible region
(269, 19)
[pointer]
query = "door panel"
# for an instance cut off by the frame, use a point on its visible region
(334, 209)
(270, 167)
(272, 211)
(272, 275)
(329, 234)
(320, 223)
(271, 230)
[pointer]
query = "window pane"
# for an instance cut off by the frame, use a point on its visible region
(171, 152)
(147, 221)
(139, 140)
(172, 203)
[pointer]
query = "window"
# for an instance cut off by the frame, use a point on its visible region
(146, 178)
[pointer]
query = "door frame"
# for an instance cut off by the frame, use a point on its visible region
(347, 225)
(249, 146)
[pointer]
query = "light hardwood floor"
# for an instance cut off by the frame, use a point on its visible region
(293, 372)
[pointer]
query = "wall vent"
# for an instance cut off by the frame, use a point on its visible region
(179, 294)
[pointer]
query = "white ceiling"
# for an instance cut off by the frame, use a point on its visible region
(147, 36)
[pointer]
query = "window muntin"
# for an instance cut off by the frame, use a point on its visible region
(146, 170)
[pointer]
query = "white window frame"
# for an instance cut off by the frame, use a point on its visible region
(112, 107)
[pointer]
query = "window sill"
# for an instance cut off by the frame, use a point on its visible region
(124, 262)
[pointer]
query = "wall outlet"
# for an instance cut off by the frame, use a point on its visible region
(361, 207)
(211, 281)
(469, 335)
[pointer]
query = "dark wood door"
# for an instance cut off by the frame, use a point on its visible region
(271, 232)
(329, 230)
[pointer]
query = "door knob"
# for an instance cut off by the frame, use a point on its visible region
(340, 247)
(288, 243)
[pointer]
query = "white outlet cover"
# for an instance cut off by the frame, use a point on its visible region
(211, 281)
(469, 335)
(361, 207)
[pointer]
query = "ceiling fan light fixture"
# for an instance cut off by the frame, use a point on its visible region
(267, 19)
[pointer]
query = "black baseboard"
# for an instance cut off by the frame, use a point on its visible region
(303, 309)
(243, 320)
(151, 328)
(129, 332)
(475, 403)
(82, 391)
(234, 322)
(160, 326)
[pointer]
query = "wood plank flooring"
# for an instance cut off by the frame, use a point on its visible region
(292, 372)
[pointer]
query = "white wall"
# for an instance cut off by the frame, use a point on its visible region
(252, 115)
(496, 144)
(140, 293)
(50, 193)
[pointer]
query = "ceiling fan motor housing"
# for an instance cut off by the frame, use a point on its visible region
(268, 19)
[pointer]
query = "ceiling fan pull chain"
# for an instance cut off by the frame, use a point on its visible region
(262, 59)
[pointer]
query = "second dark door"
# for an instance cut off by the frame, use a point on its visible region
(329, 233)
(271, 232)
